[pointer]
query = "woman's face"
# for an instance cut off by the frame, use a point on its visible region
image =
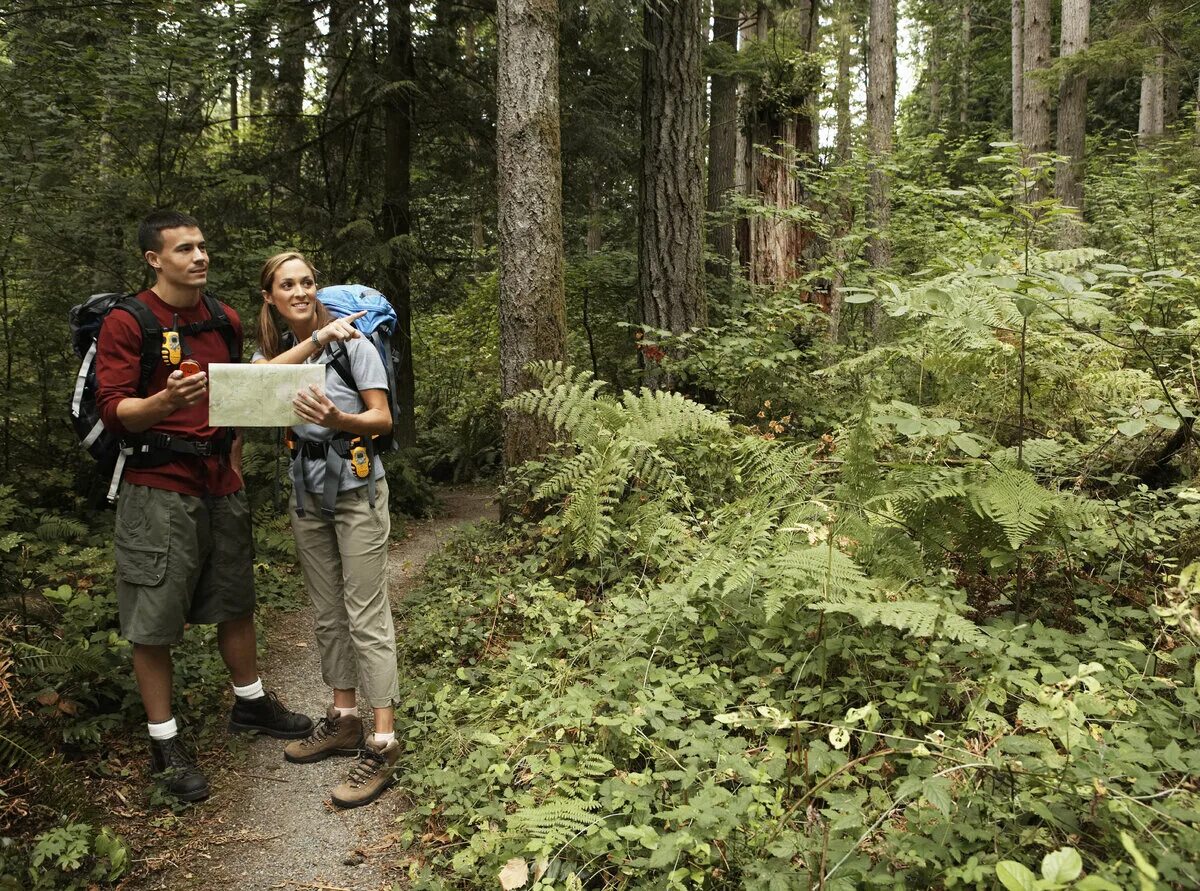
(293, 293)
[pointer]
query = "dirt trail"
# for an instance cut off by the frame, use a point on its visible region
(268, 823)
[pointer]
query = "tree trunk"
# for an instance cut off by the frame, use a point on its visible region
(1018, 69)
(844, 84)
(1035, 116)
(842, 209)
(1171, 90)
(595, 234)
(964, 65)
(933, 76)
(1150, 115)
(529, 172)
(785, 136)
(289, 125)
(397, 223)
(881, 118)
(753, 27)
(258, 62)
(1072, 116)
(670, 254)
(233, 103)
(722, 141)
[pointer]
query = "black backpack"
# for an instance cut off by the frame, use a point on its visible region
(108, 448)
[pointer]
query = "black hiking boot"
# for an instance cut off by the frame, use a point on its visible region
(268, 715)
(176, 771)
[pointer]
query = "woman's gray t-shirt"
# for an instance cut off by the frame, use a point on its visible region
(366, 367)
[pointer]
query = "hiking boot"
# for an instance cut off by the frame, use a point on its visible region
(333, 735)
(268, 715)
(175, 770)
(373, 775)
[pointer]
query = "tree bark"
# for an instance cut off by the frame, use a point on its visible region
(1018, 70)
(1150, 113)
(233, 103)
(296, 28)
(1035, 115)
(529, 171)
(842, 206)
(933, 76)
(841, 93)
(670, 254)
(776, 240)
(722, 141)
(881, 119)
(753, 27)
(964, 65)
(1072, 119)
(397, 223)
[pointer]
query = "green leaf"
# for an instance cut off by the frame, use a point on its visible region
(937, 792)
(839, 737)
(1133, 426)
(1063, 865)
(1014, 876)
(1095, 883)
(968, 444)
(1145, 867)
(858, 298)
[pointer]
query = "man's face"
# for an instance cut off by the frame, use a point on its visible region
(183, 259)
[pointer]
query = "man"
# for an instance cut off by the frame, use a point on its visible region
(183, 543)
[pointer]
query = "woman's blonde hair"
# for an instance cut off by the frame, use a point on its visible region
(270, 335)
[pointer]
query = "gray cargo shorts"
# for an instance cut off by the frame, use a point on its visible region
(181, 558)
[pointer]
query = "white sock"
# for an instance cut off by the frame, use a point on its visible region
(250, 691)
(346, 712)
(382, 739)
(167, 729)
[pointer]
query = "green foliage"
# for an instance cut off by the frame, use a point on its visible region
(766, 691)
(70, 856)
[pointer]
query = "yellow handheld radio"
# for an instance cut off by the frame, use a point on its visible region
(172, 348)
(360, 461)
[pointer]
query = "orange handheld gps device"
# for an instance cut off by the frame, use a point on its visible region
(189, 367)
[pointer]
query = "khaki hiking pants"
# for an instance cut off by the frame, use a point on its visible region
(345, 570)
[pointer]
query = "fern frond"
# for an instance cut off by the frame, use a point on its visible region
(60, 529)
(824, 569)
(554, 823)
(915, 617)
(1013, 500)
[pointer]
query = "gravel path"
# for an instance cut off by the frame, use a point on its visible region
(269, 824)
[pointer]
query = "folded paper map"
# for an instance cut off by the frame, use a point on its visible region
(258, 395)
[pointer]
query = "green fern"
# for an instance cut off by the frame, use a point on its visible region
(1013, 500)
(915, 617)
(60, 529)
(554, 823)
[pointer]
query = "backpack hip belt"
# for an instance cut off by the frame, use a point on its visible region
(340, 446)
(154, 449)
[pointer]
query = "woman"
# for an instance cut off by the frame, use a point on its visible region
(341, 541)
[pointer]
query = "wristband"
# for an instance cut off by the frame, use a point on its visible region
(316, 340)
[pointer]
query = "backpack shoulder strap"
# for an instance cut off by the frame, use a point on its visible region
(217, 311)
(341, 364)
(151, 336)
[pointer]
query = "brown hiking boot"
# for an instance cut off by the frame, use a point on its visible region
(370, 777)
(333, 735)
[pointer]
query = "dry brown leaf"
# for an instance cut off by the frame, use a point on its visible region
(514, 874)
(48, 698)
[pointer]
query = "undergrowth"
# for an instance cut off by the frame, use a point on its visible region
(701, 658)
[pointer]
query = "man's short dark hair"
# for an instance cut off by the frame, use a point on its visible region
(151, 229)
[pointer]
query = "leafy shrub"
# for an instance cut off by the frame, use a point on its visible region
(700, 657)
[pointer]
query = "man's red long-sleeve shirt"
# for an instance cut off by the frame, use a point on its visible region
(118, 369)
